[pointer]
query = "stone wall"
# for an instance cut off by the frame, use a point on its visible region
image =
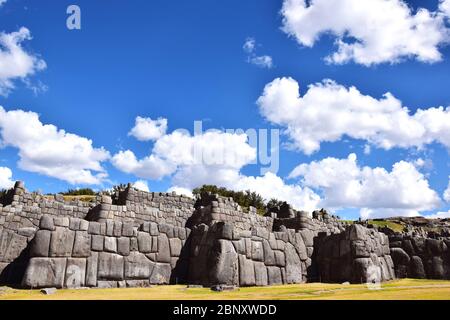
(137, 238)
(420, 257)
(20, 213)
(223, 254)
(358, 255)
(71, 252)
(213, 208)
(140, 206)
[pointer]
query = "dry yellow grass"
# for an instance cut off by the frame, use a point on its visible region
(406, 289)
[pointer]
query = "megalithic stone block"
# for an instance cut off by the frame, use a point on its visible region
(138, 266)
(246, 272)
(223, 264)
(82, 245)
(161, 274)
(293, 265)
(92, 270)
(45, 272)
(40, 245)
(75, 273)
(110, 266)
(61, 242)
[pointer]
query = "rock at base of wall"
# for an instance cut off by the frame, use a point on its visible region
(161, 274)
(416, 268)
(138, 266)
(223, 263)
(246, 272)
(75, 273)
(274, 276)
(45, 272)
(110, 266)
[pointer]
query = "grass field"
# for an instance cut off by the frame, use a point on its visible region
(397, 227)
(406, 289)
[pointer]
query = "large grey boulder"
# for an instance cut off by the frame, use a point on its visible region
(61, 242)
(110, 266)
(82, 245)
(163, 254)
(46, 223)
(92, 270)
(269, 255)
(44, 273)
(399, 256)
(274, 275)
(144, 242)
(75, 273)
(246, 272)
(416, 268)
(15, 247)
(261, 278)
(223, 263)
(161, 274)
(293, 265)
(123, 246)
(40, 245)
(138, 266)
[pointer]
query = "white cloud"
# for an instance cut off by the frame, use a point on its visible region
(213, 153)
(151, 167)
(213, 157)
(328, 111)
(15, 62)
(271, 186)
(6, 181)
(439, 215)
(402, 191)
(368, 32)
(45, 149)
(263, 61)
(181, 191)
(249, 45)
(444, 7)
(447, 192)
(367, 149)
(141, 185)
(146, 129)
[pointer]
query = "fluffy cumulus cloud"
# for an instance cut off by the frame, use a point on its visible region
(271, 186)
(45, 149)
(368, 32)
(6, 178)
(439, 215)
(444, 7)
(213, 157)
(329, 111)
(15, 62)
(146, 129)
(141, 185)
(190, 158)
(376, 191)
(447, 192)
(262, 61)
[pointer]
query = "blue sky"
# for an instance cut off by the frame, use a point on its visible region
(184, 61)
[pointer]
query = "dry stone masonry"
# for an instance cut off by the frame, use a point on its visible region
(135, 238)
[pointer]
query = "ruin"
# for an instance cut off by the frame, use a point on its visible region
(135, 238)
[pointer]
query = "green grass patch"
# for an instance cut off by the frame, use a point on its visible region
(405, 289)
(397, 227)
